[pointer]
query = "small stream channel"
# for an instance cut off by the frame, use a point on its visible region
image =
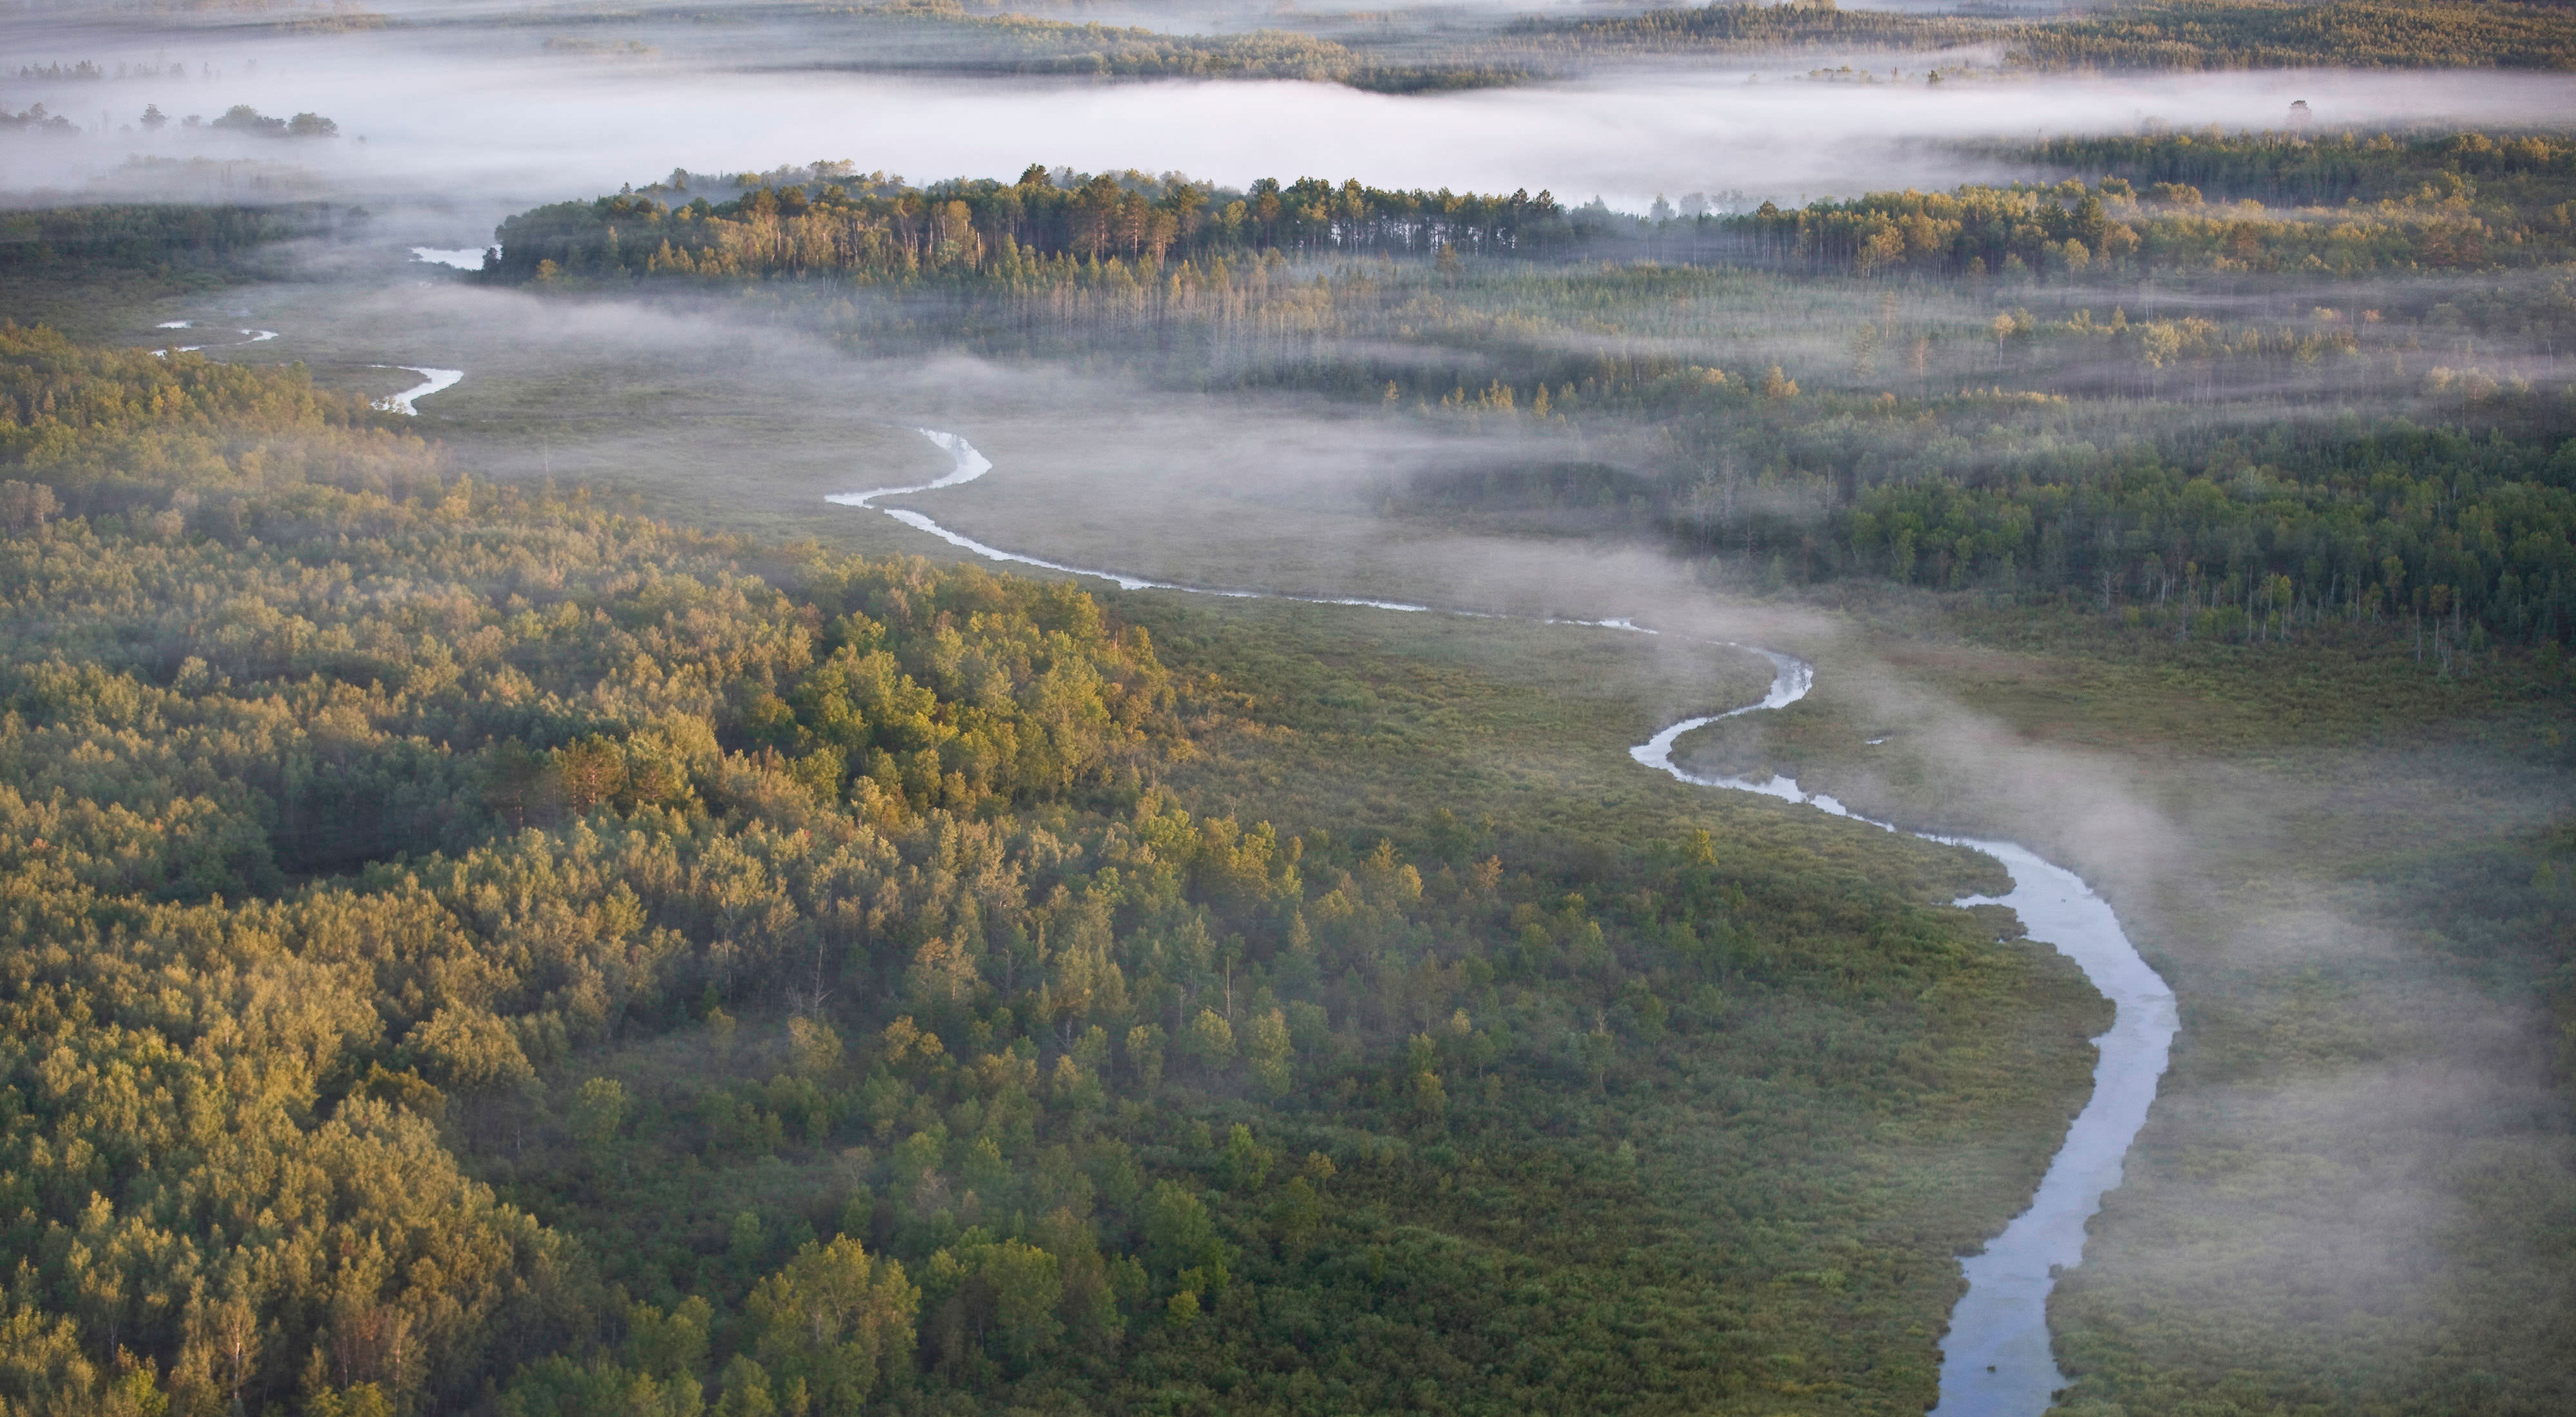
(1996, 1360)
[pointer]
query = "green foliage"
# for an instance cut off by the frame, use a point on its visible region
(2354, 34)
(2333, 205)
(2527, 174)
(835, 1324)
(2297, 534)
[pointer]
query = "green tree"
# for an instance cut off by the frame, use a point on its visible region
(599, 1109)
(1245, 1163)
(1270, 1052)
(838, 1319)
(1211, 1040)
(1179, 1232)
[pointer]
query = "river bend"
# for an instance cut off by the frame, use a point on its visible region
(1996, 1360)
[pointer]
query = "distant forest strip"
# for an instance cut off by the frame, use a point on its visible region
(2263, 34)
(2460, 201)
(468, 949)
(947, 37)
(145, 236)
(2411, 34)
(2530, 173)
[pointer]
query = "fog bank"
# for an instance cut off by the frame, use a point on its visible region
(494, 125)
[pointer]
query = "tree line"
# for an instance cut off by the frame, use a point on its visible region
(2362, 206)
(2233, 34)
(2529, 173)
(2112, 230)
(941, 35)
(2196, 35)
(1042, 227)
(144, 236)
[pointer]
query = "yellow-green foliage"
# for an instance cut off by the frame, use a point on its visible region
(2071, 232)
(870, 229)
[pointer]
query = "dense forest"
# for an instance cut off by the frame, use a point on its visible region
(468, 947)
(1043, 229)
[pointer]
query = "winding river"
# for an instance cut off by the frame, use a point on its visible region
(431, 381)
(1996, 1360)
(248, 337)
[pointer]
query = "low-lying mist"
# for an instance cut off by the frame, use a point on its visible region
(485, 123)
(2358, 1126)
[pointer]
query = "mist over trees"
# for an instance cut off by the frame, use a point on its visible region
(2456, 201)
(2448, 520)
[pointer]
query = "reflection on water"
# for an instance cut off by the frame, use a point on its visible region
(1996, 1360)
(431, 381)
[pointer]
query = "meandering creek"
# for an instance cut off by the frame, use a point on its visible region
(1996, 1360)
